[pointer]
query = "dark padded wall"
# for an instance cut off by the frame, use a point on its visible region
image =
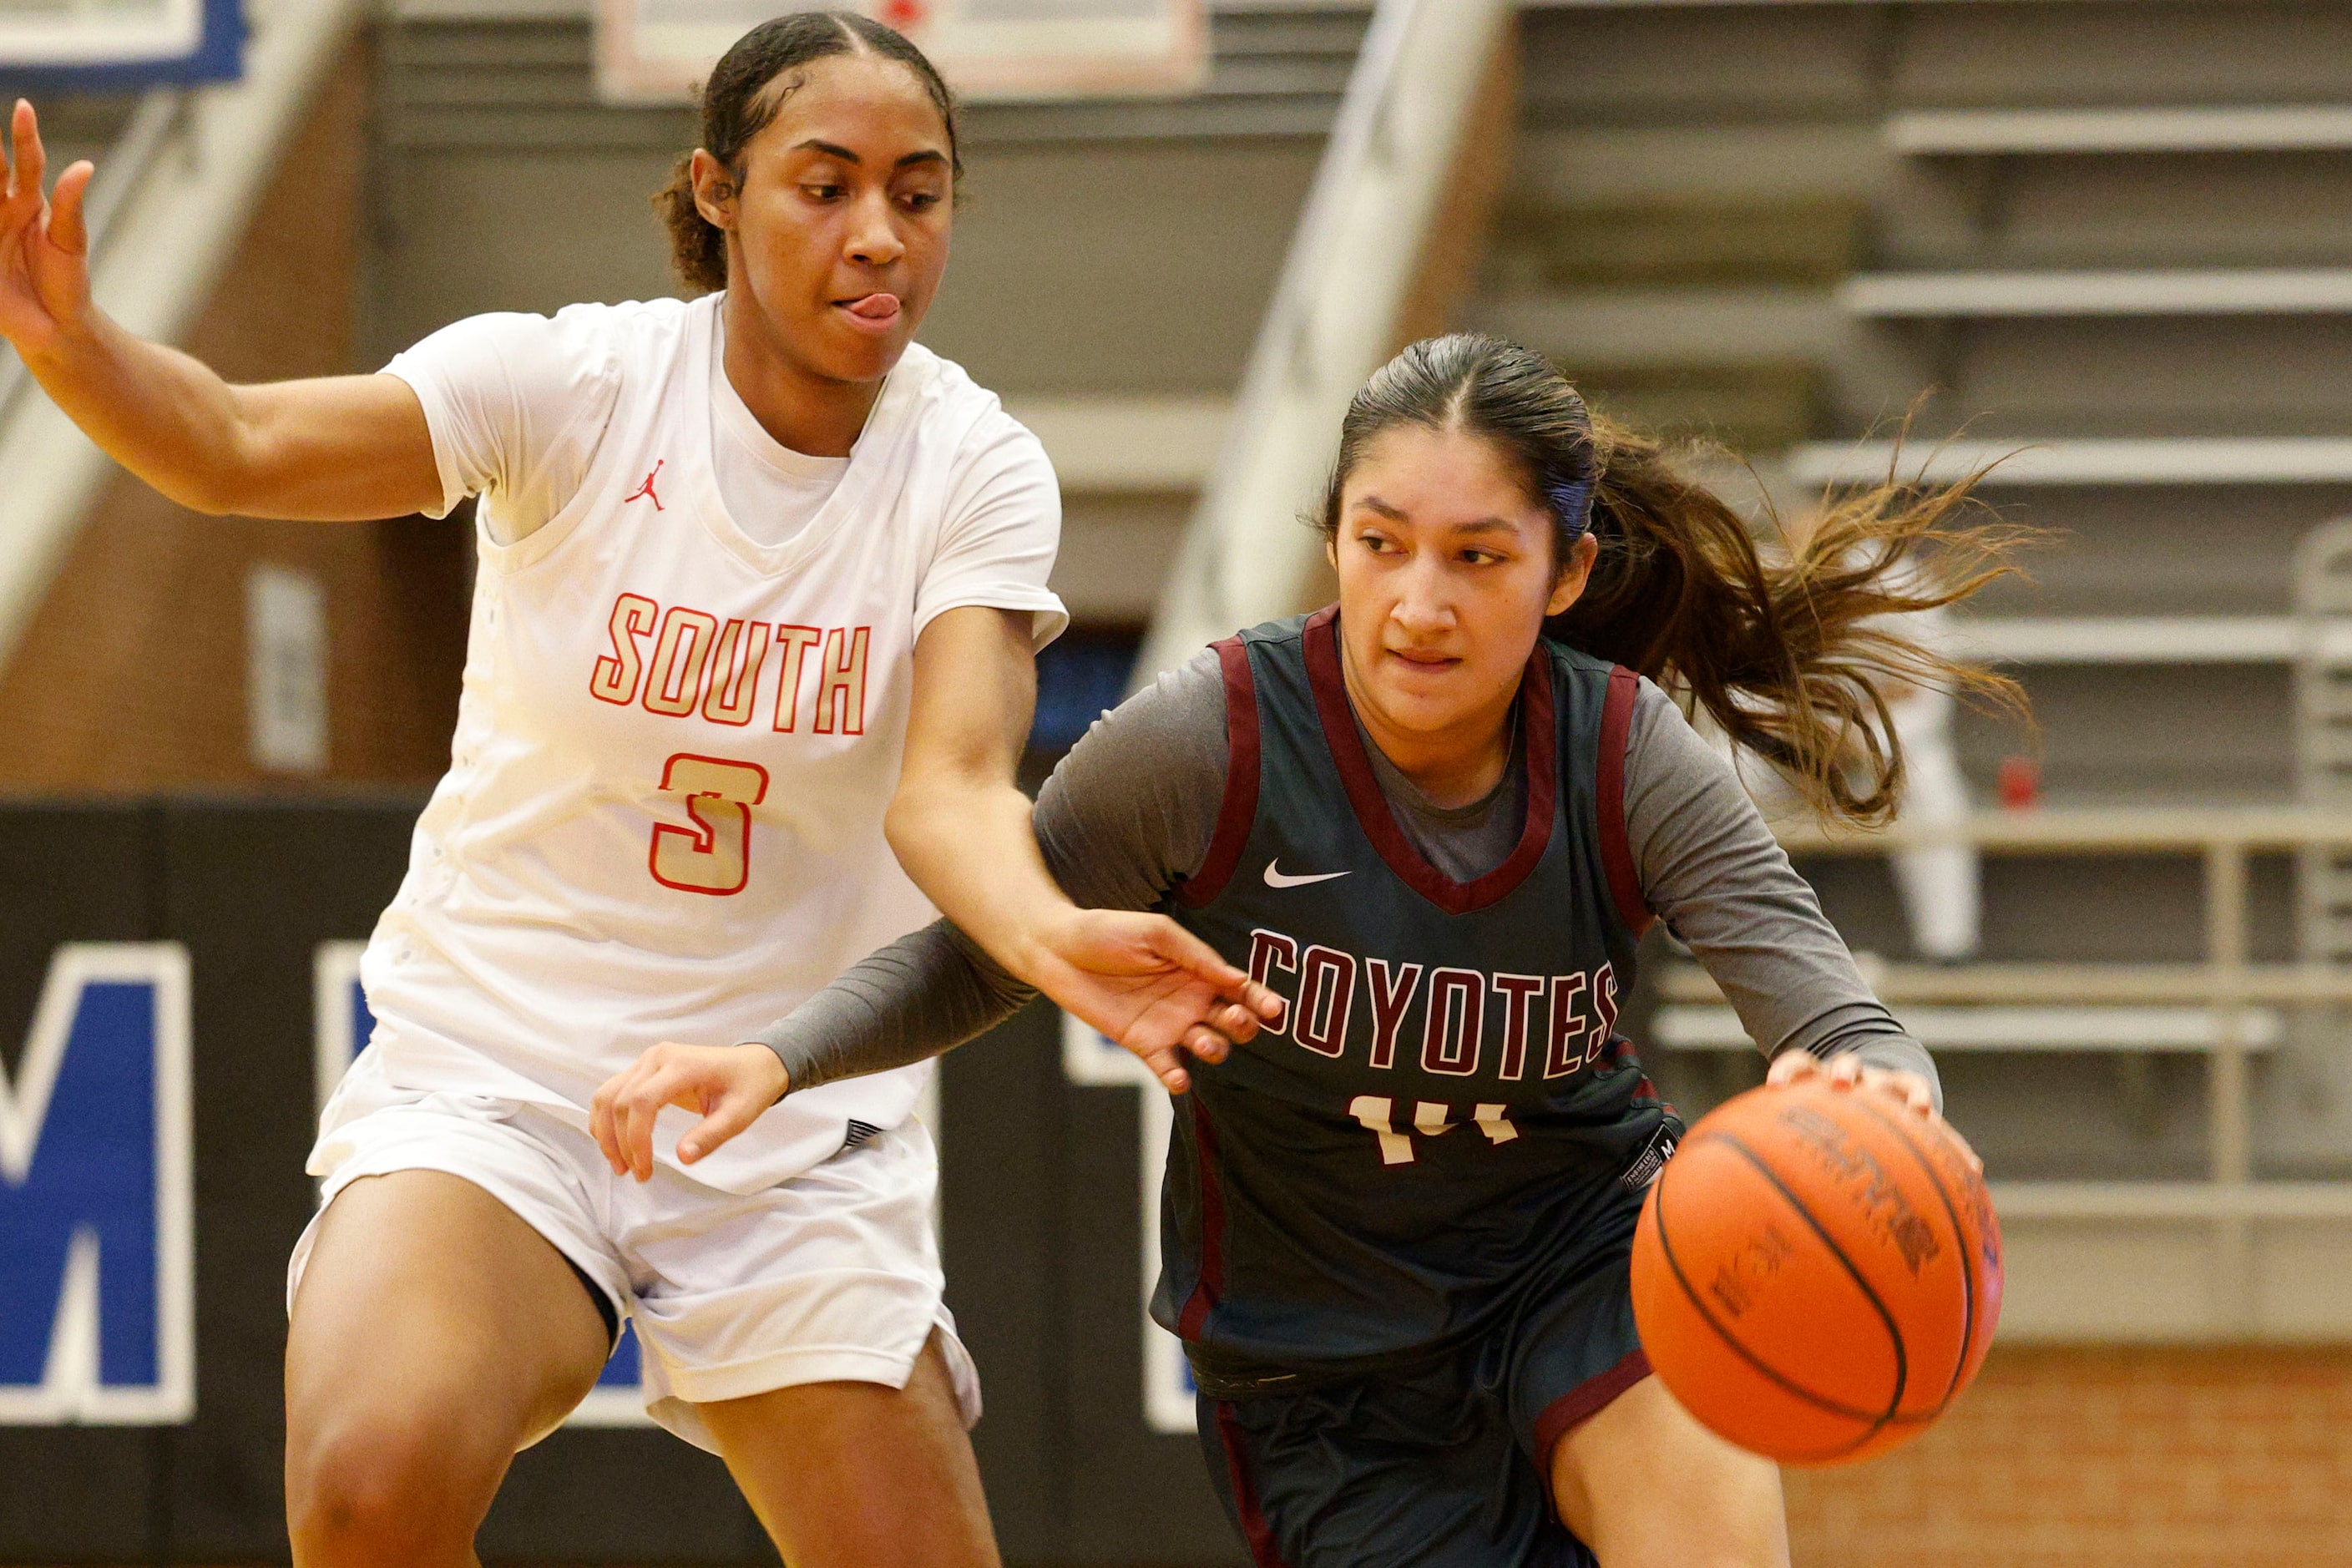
(1042, 1264)
(1041, 1240)
(252, 892)
(75, 875)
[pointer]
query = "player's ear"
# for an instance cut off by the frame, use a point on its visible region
(1574, 573)
(714, 191)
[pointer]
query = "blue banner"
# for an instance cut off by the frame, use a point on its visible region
(49, 48)
(97, 1255)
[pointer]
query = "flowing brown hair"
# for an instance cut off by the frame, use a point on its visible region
(1795, 652)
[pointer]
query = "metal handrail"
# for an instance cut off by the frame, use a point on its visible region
(2088, 984)
(1332, 320)
(2230, 1206)
(2101, 830)
(2231, 1199)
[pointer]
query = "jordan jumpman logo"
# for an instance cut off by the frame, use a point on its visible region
(645, 491)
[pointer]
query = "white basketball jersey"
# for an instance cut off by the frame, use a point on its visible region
(663, 819)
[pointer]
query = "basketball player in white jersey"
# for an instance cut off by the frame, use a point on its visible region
(756, 571)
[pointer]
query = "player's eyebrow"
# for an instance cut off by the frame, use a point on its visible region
(835, 149)
(1397, 514)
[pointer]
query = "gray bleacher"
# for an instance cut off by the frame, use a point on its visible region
(2115, 236)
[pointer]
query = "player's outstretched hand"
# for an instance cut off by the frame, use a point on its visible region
(1908, 1089)
(1151, 985)
(726, 1086)
(44, 243)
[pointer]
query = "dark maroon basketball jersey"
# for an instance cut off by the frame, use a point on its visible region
(1446, 1105)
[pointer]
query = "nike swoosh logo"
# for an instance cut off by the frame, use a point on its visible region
(1275, 879)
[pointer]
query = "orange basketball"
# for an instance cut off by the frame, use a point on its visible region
(1817, 1275)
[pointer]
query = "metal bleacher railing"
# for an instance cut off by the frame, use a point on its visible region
(2261, 291)
(2099, 460)
(1982, 133)
(2227, 1008)
(2250, 1256)
(1987, 295)
(2111, 461)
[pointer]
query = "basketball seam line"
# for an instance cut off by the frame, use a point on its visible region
(1894, 1330)
(1821, 1402)
(1959, 1240)
(1818, 1401)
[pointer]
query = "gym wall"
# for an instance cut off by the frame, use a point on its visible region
(2093, 1457)
(132, 674)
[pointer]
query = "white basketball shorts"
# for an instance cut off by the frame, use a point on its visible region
(832, 1275)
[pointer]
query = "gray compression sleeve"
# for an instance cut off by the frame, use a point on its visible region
(1128, 811)
(1714, 873)
(925, 993)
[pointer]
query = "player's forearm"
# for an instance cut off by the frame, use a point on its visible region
(957, 822)
(1712, 870)
(1871, 1033)
(925, 994)
(968, 844)
(336, 449)
(160, 414)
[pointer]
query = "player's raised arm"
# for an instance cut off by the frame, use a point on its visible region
(339, 448)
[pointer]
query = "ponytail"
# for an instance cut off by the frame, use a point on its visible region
(1795, 653)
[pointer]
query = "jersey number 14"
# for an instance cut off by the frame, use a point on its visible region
(1378, 1112)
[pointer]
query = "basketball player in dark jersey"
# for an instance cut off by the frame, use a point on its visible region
(1397, 1223)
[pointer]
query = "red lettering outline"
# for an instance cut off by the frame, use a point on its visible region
(1324, 1006)
(614, 678)
(1518, 993)
(1391, 1000)
(734, 684)
(1269, 951)
(795, 641)
(1441, 1048)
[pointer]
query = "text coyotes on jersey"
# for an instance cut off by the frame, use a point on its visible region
(1578, 1013)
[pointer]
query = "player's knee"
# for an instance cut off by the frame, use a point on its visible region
(383, 1487)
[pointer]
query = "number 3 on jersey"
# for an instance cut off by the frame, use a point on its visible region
(714, 855)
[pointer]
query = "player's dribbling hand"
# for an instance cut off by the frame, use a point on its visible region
(726, 1086)
(44, 243)
(1908, 1090)
(1151, 985)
